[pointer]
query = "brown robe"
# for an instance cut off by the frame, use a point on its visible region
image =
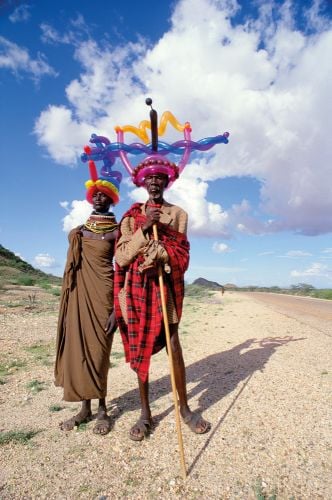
(82, 347)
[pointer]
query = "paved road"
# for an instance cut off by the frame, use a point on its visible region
(314, 312)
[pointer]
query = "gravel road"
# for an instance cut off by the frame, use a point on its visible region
(259, 373)
(311, 311)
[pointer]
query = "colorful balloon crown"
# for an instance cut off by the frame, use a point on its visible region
(156, 151)
(108, 182)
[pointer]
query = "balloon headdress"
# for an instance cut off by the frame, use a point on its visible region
(108, 181)
(156, 151)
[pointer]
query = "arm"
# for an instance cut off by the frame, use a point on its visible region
(130, 243)
(111, 325)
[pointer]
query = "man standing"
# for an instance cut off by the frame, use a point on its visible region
(137, 291)
(86, 319)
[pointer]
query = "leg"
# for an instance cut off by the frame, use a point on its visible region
(196, 423)
(103, 424)
(83, 416)
(143, 426)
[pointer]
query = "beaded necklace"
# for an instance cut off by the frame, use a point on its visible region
(98, 223)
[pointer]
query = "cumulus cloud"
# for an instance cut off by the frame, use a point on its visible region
(220, 247)
(78, 212)
(18, 60)
(61, 134)
(44, 260)
(264, 81)
(20, 14)
(315, 270)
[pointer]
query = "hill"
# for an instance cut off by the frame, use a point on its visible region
(212, 285)
(15, 271)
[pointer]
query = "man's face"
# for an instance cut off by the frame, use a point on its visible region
(101, 202)
(155, 185)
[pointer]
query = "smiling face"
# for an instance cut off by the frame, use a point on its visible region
(101, 202)
(155, 185)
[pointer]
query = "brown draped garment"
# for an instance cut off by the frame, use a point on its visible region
(82, 346)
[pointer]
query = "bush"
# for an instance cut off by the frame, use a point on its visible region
(26, 281)
(45, 285)
(196, 291)
(323, 294)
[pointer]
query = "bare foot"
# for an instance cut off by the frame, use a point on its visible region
(82, 417)
(103, 424)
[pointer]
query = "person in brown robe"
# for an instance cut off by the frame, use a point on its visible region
(86, 319)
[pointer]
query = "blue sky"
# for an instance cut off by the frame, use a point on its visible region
(259, 207)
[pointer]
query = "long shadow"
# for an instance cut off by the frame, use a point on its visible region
(214, 376)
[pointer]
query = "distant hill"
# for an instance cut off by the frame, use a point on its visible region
(212, 285)
(230, 286)
(15, 271)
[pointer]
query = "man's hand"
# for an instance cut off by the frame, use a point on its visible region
(153, 214)
(111, 325)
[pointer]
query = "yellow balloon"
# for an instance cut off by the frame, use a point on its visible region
(140, 131)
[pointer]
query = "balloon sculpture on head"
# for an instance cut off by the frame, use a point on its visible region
(156, 151)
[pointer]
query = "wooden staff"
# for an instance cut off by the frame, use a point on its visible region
(170, 360)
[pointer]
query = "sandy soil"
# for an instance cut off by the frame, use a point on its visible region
(262, 377)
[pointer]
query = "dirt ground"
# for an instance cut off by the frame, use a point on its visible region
(259, 375)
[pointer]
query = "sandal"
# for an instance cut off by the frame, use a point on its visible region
(196, 423)
(103, 426)
(76, 421)
(144, 427)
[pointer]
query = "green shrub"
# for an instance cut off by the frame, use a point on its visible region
(55, 408)
(35, 386)
(196, 291)
(26, 280)
(22, 437)
(45, 285)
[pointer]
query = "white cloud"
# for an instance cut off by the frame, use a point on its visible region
(220, 247)
(18, 60)
(327, 250)
(20, 14)
(315, 270)
(78, 214)
(52, 36)
(265, 82)
(64, 204)
(294, 254)
(62, 135)
(44, 260)
(78, 28)
(269, 252)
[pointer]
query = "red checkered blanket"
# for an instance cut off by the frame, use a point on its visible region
(144, 333)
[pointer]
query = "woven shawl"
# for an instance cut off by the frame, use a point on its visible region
(143, 335)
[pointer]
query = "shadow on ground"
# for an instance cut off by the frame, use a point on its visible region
(215, 376)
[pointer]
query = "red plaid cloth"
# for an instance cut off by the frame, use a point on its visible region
(144, 333)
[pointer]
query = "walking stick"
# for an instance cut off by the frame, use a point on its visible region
(170, 360)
